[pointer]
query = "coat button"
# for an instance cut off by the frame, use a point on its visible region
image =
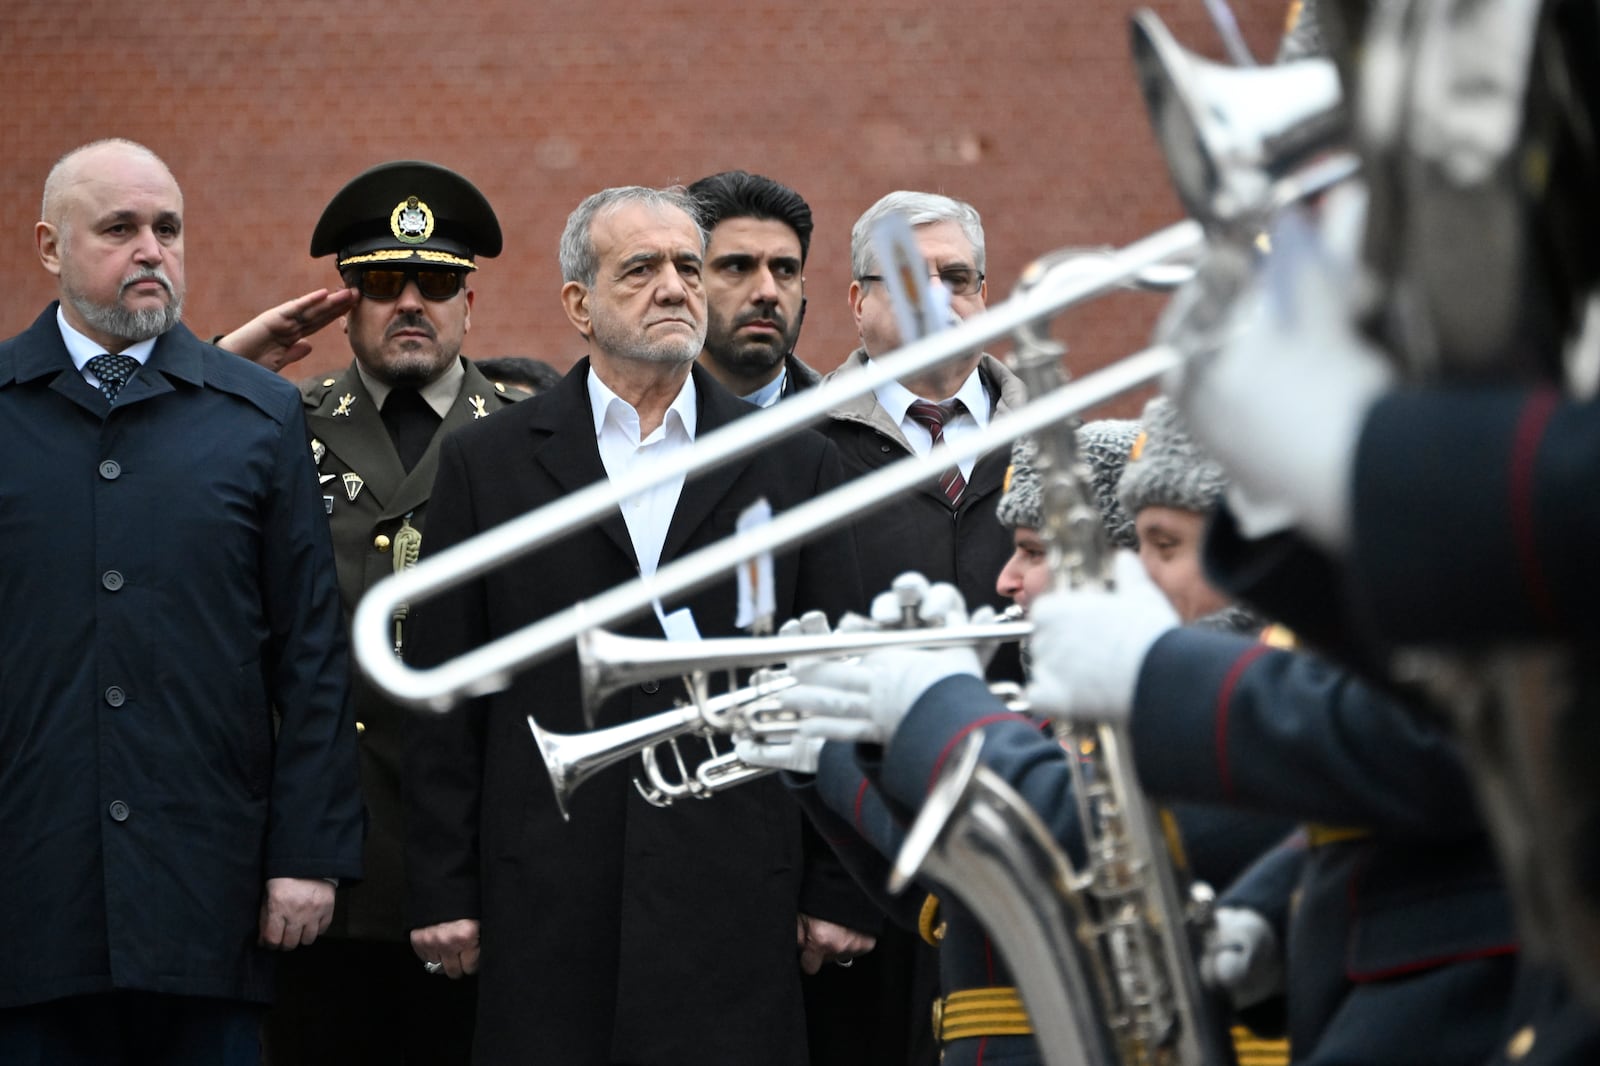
(361, 727)
(111, 470)
(327, 381)
(115, 696)
(1521, 1043)
(112, 580)
(650, 688)
(381, 542)
(119, 811)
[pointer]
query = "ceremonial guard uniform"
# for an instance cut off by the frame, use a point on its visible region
(376, 470)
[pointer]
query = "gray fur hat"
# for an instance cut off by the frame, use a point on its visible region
(1104, 446)
(1167, 468)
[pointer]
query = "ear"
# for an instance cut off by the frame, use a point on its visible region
(466, 321)
(983, 293)
(857, 294)
(575, 302)
(47, 240)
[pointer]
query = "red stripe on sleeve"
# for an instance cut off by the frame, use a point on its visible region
(861, 795)
(1530, 433)
(1224, 705)
(944, 753)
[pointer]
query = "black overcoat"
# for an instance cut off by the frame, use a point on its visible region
(167, 580)
(631, 934)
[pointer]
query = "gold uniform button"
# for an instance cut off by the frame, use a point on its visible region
(361, 727)
(1521, 1043)
(328, 381)
(381, 542)
(499, 386)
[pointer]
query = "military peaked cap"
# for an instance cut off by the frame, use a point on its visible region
(407, 213)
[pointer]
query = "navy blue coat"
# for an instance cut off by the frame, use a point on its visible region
(167, 573)
(1408, 919)
(1474, 521)
(875, 806)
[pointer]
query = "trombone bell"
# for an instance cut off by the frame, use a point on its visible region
(1228, 134)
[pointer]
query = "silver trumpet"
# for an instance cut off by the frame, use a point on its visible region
(609, 661)
(573, 758)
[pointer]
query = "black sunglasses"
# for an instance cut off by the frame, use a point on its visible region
(388, 284)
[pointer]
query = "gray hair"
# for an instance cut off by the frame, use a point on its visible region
(61, 175)
(920, 209)
(579, 260)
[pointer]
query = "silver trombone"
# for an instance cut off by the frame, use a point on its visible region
(1266, 158)
(489, 668)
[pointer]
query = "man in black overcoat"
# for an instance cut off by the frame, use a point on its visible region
(632, 934)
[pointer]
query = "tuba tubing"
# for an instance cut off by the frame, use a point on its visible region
(976, 837)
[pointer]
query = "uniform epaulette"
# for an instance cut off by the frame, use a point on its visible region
(313, 390)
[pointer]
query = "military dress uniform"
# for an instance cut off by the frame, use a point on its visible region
(360, 993)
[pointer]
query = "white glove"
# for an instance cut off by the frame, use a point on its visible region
(1242, 957)
(796, 754)
(1279, 393)
(1088, 644)
(865, 701)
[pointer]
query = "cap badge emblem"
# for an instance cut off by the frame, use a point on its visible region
(411, 221)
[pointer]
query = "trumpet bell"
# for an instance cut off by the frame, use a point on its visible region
(1229, 135)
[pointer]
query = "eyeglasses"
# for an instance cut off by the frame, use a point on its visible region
(959, 281)
(433, 283)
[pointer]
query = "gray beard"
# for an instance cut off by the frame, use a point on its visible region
(669, 353)
(131, 326)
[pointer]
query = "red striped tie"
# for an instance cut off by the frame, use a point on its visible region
(932, 417)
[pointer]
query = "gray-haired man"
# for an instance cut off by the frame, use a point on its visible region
(632, 935)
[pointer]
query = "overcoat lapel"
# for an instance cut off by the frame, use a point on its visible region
(701, 494)
(565, 447)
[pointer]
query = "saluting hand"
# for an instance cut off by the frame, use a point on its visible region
(277, 337)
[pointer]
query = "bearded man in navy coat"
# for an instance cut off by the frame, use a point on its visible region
(177, 755)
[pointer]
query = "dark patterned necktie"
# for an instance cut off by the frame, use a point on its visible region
(113, 372)
(411, 424)
(932, 417)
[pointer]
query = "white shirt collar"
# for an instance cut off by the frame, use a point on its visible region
(82, 349)
(606, 405)
(768, 394)
(895, 398)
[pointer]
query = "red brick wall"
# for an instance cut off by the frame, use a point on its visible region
(1028, 109)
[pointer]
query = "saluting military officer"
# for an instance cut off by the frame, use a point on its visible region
(407, 236)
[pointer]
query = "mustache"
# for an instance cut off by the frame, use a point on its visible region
(771, 314)
(412, 321)
(147, 274)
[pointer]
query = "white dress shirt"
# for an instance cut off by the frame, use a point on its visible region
(896, 400)
(616, 429)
